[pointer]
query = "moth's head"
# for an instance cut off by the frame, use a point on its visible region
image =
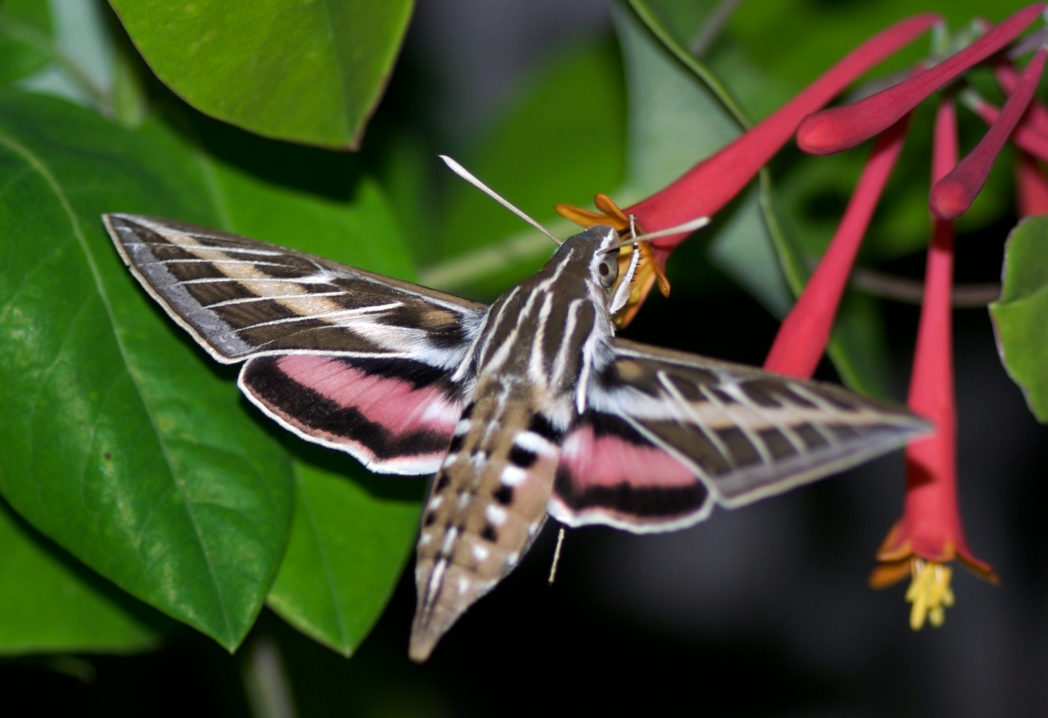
(601, 245)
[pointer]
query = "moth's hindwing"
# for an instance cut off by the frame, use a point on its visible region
(394, 415)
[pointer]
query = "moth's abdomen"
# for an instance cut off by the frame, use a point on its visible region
(485, 507)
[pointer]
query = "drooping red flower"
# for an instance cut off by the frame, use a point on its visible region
(930, 534)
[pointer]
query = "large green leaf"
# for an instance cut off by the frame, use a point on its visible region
(341, 563)
(1020, 316)
(51, 603)
(102, 445)
(297, 70)
(124, 444)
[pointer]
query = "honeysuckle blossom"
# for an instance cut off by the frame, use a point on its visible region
(929, 534)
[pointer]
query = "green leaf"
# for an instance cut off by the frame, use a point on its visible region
(50, 602)
(25, 38)
(103, 448)
(679, 113)
(351, 535)
(1021, 314)
(127, 446)
(299, 197)
(309, 72)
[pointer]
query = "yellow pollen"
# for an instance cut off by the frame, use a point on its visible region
(929, 592)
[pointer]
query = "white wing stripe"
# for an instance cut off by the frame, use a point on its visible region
(743, 423)
(697, 421)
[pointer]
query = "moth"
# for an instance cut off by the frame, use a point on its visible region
(527, 408)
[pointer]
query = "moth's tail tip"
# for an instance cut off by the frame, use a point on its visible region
(428, 628)
(422, 644)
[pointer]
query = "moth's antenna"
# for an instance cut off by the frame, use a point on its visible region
(690, 226)
(556, 556)
(472, 179)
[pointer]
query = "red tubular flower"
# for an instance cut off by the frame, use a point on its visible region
(842, 128)
(1031, 184)
(952, 195)
(803, 335)
(713, 182)
(929, 533)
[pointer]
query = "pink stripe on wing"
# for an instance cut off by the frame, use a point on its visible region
(611, 460)
(397, 405)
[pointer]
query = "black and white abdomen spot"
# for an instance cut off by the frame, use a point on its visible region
(504, 493)
(512, 476)
(496, 515)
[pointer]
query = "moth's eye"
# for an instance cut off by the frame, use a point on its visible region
(608, 269)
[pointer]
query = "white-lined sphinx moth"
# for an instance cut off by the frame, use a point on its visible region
(527, 407)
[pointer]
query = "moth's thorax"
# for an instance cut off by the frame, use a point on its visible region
(547, 328)
(486, 505)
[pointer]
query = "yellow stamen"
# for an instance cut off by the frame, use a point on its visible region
(929, 592)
